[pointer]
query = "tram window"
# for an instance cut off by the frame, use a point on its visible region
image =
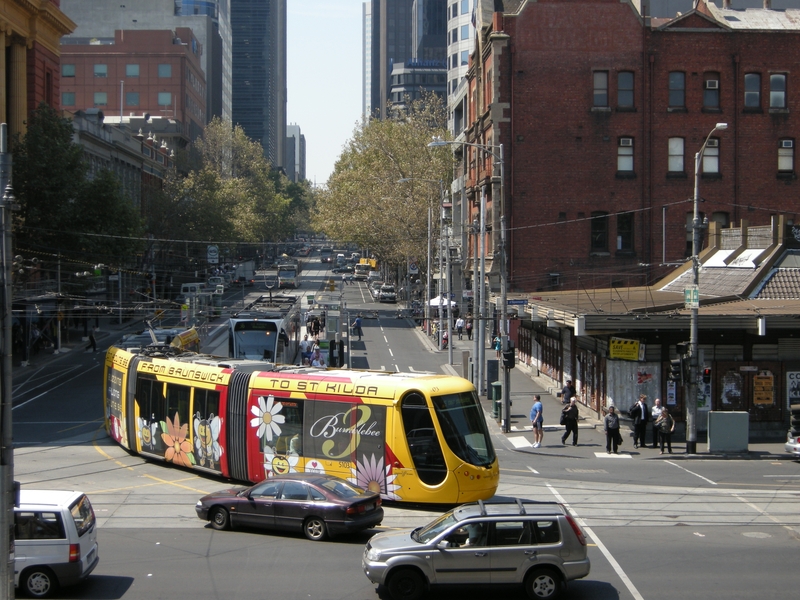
(464, 428)
(423, 443)
(178, 402)
(206, 402)
(290, 439)
(150, 396)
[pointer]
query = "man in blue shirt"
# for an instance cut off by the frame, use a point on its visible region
(537, 421)
(357, 327)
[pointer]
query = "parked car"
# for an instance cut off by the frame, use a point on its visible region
(55, 535)
(319, 505)
(792, 445)
(387, 294)
(537, 545)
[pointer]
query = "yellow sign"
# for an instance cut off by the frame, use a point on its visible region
(763, 392)
(623, 349)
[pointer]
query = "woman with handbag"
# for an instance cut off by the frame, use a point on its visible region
(569, 418)
(666, 425)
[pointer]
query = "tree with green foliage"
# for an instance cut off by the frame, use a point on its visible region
(367, 203)
(61, 209)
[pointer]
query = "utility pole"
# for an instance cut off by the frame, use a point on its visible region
(6, 437)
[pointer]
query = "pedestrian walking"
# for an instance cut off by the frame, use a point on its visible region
(611, 428)
(92, 342)
(665, 426)
(655, 413)
(537, 421)
(460, 327)
(569, 419)
(640, 415)
(468, 327)
(567, 392)
(498, 346)
(357, 327)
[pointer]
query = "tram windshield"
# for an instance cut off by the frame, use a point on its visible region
(256, 340)
(464, 428)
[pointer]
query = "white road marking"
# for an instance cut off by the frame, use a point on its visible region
(391, 353)
(669, 462)
(532, 470)
(519, 441)
(609, 557)
(53, 388)
(782, 476)
(607, 455)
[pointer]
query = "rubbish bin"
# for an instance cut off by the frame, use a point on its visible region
(496, 396)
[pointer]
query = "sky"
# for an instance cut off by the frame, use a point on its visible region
(324, 41)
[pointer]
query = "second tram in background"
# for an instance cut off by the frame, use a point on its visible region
(269, 329)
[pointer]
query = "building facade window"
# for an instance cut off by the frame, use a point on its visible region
(752, 90)
(625, 232)
(721, 218)
(101, 70)
(100, 98)
(464, 58)
(786, 156)
(599, 232)
(68, 70)
(711, 157)
(625, 89)
(465, 32)
(131, 98)
(164, 99)
(625, 155)
(131, 70)
(464, 7)
(600, 85)
(677, 89)
(711, 91)
(165, 71)
(777, 90)
(675, 161)
(67, 98)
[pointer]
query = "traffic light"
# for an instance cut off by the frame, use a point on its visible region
(706, 374)
(508, 358)
(676, 370)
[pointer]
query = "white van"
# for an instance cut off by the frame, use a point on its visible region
(55, 540)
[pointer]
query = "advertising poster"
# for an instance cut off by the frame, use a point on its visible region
(793, 387)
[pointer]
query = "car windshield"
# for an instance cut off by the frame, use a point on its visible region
(342, 488)
(464, 428)
(432, 530)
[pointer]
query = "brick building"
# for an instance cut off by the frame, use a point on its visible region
(155, 72)
(29, 35)
(601, 110)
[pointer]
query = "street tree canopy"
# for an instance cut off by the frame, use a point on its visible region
(366, 202)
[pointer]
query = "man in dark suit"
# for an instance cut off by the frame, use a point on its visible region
(640, 415)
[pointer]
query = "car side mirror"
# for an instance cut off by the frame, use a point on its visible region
(443, 545)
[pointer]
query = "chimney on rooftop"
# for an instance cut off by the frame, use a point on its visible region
(767, 4)
(726, 3)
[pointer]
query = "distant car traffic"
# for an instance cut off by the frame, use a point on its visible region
(387, 294)
(375, 289)
(319, 505)
(537, 545)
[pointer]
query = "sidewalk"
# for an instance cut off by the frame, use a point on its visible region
(591, 438)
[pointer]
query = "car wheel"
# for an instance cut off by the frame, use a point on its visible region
(315, 529)
(39, 582)
(220, 519)
(543, 584)
(406, 584)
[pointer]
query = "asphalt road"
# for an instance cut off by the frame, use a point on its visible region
(658, 529)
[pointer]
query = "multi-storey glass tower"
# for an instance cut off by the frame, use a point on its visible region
(259, 73)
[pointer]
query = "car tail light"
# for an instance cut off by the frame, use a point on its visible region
(74, 552)
(577, 529)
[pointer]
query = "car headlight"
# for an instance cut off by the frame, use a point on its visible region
(373, 555)
(199, 504)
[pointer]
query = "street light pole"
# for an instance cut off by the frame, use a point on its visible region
(691, 405)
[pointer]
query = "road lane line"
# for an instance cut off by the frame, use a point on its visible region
(764, 513)
(609, 557)
(53, 388)
(669, 462)
(532, 470)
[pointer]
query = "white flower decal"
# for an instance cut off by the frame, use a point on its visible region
(370, 474)
(279, 464)
(267, 417)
